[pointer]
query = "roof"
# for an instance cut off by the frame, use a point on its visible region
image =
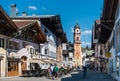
(31, 25)
(107, 19)
(109, 10)
(7, 25)
(33, 16)
(77, 26)
(97, 21)
(21, 24)
(52, 22)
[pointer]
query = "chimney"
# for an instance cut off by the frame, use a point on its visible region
(24, 14)
(13, 10)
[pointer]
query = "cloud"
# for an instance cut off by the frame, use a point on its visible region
(32, 7)
(17, 10)
(84, 44)
(72, 29)
(45, 9)
(86, 32)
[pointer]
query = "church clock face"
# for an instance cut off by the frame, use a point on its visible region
(77, 31)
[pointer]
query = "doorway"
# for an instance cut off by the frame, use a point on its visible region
(13, 68)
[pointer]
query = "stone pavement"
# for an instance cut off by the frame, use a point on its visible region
(74, 76)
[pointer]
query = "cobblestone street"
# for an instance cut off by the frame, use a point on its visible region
(74, 76)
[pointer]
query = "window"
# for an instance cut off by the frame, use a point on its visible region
(36, 52)
(118, 66)
(118, 43)
(13, 45)
(52, 54)
(31, 51)
(70, 59)
(77, 38)
(16, 45)
(2, 42)
(10, 44)
(65, 58)
(46, 51)
(24, 44)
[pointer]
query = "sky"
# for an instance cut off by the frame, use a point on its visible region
(83, 12)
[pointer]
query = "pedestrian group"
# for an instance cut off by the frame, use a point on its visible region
(53, 71)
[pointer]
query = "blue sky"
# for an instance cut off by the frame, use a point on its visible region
(83, 12)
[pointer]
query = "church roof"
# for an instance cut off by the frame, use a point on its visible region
(77, 26)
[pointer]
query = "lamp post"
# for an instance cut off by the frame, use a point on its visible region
(18, 33)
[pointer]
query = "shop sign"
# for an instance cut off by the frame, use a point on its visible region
(108, 55)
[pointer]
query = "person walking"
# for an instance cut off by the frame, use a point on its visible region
(55, 71)
(101, 67)
(84, 71)
(51, 71)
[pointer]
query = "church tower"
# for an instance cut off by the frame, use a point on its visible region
(77, 46)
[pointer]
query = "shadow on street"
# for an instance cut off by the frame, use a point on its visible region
(90, 76)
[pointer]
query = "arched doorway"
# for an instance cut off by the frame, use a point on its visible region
(23, 63)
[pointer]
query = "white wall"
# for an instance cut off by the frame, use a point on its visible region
(50, 45)
(116, 26)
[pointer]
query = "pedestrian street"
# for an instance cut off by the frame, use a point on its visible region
(74, 76)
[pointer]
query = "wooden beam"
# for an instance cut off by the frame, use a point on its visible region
(111, 9)
(107, 20)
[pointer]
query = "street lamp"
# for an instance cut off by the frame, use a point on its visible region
(18, 33)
